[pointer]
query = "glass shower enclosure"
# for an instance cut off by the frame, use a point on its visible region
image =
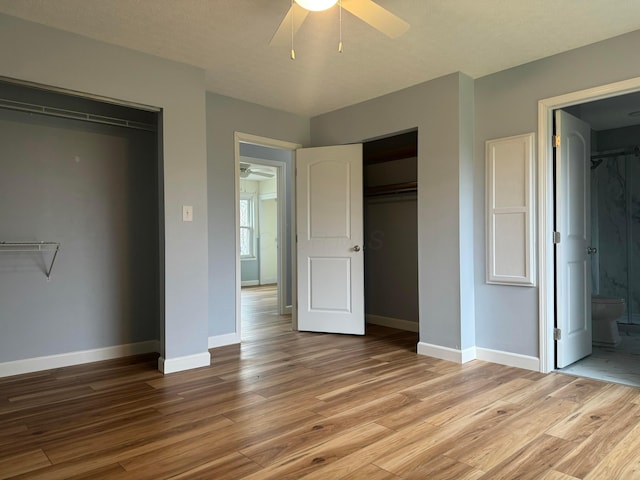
(615, 227)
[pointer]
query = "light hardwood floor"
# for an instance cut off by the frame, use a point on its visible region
(289, 405)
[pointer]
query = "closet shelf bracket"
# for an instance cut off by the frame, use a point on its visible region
(26, 247)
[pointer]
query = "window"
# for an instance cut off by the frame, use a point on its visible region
(247, 226)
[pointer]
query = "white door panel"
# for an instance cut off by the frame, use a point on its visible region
(330, 239)
(573, 264)
(330, 193)
(329, 281)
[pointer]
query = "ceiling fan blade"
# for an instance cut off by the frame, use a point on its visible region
(283, 33)
(376, 16)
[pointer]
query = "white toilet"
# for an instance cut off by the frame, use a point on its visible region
(605, 312)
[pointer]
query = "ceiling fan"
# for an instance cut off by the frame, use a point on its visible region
(246, 170)
(366, 10)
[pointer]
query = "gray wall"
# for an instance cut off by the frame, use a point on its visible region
(224, 117)
(249, 270)
(616, 138)
(47, 56)
(93, 189)
(506, 104)
(435, 109)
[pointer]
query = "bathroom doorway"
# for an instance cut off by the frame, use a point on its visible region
(612, 215)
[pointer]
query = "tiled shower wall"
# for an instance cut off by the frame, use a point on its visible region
(615, 215)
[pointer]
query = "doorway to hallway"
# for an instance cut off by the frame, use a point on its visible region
(265, 161)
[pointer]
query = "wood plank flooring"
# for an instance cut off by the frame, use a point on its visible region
(288, 405)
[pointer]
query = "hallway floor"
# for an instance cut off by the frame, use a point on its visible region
(619, 364)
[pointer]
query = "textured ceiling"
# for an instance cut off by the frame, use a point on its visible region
(229, 39)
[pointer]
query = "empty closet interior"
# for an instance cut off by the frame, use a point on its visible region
(79, 180)
(391, 231)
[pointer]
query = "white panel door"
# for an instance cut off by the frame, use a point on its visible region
(573, 259)
(330, 239)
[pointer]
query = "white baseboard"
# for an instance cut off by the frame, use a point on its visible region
(249, 283)
(393, 323)
(269, 281)
(446, 353)
(179, 364)
(48, 362)
(224, 340)
(287, 310)
(468, 354)
(508, 359)
(477, 353)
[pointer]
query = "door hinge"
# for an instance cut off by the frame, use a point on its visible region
(556, 237)
(556, 141)
(557, 334)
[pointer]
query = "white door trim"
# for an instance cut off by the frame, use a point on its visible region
(240, 137)
(546, 283)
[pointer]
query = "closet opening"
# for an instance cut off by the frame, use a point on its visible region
(83, 173)
(390, 181)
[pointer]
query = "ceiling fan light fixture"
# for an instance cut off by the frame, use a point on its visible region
(316, 5)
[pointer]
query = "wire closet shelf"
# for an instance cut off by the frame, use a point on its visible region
(27, 247)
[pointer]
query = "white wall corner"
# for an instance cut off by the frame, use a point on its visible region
(446, 353)
(468, 354)
(509, 359)
(48, 362)
(224, 340)
(393, 323)
(188, 362)
(478, 353)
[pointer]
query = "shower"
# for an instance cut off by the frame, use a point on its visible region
(615, 227)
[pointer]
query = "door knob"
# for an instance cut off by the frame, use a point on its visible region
(356, 248)
(591, 250)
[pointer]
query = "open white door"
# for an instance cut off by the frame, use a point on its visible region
(573, 260)
(330, 239)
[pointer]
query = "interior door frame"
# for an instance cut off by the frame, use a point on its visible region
(239, 138)
(546, 258)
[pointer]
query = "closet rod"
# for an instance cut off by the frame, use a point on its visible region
(74, 115)
(393, 189)
(633, 150)
(25, 247)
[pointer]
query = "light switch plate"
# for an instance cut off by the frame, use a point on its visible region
(187, 213)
